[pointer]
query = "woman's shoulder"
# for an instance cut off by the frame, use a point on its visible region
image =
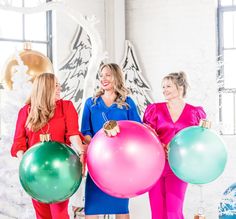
(197, 108)
(129, 100)
(197, 111)
(24, 111)
(91, 100)
(64, 103)
(156, 105)
(25, 108)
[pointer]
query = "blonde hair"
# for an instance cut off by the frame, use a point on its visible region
(119, 85)
(42, 101)
(179, 79)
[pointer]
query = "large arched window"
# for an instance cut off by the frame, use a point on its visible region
(227, 65)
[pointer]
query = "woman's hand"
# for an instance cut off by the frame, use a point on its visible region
(111, 128)
(166, 149)
(83, 160)
(19, 155)
(81, 149)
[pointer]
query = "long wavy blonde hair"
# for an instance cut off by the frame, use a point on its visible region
(42, 101)
(119, 85)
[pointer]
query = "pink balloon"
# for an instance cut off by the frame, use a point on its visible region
(128, 164)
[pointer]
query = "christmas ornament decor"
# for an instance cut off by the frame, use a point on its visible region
(199, 216)
(197, 154)
(111, 128)
(128, 164)
(36, 63)
(50, 172)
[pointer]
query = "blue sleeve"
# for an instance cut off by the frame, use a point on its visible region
(86, 126)
(133, 111)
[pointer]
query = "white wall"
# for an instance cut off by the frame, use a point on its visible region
(65, 26)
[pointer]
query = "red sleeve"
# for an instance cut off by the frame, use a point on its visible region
(20, 138)
(71, 119)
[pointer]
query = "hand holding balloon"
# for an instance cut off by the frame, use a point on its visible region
(197, 155)
(111, 128)
(83, 161)
(20, 154)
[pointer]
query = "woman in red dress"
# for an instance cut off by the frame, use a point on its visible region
(46, 113)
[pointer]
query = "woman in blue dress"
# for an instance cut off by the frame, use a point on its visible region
(111, 102)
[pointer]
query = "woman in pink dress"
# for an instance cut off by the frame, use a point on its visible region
(167, 119)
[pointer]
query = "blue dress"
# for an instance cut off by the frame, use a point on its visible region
(96, 201)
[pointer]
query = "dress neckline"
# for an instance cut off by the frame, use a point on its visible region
(181, 114)
(104, 104)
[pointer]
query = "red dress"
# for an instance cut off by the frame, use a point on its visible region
(61, 126)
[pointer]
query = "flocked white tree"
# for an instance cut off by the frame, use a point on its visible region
(14, 202)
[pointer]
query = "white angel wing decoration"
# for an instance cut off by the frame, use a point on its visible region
(75, 68)
(134, 80)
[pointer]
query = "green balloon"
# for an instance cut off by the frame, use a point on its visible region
(50, 172)
(197, 155)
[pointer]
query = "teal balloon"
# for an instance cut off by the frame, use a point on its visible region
(197, 155)
(50, 172)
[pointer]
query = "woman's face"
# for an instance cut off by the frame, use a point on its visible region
(58, 90)
(107, 79)
(170, 90)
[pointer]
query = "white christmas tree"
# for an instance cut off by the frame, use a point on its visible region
(75, 68)
(14, 202)
(134, 80)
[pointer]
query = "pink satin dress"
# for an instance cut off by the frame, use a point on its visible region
(167, 195)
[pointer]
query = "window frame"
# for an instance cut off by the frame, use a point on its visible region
(220, 74)
(48, 42)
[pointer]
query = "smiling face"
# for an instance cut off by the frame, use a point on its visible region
(171, 90)
(107, 79)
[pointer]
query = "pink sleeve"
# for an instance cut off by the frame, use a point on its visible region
(20, 138)
(200, 113)
(150, 116)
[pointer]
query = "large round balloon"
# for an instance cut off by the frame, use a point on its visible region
(197, 155)
(227, 208)
(128, 164)
(50, 172)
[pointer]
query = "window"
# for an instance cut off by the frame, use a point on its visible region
(227, 65)
(16, 28)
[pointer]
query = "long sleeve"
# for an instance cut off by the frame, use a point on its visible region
(86, 127)
(71, 120)
(20, 138)
(132, 111)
